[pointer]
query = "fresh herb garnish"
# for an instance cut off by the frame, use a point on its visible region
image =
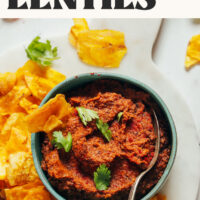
(119, 115)
(104, 128)
(86, 115)
(102, 177)
(42, 53)
(59, 141)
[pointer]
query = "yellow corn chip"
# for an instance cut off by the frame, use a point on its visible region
(15, 120)
(27, 105)
(33, 68)
(104, 48)
(38, 86)
(3, 119)
(57, 107)
(31, 191)
(52, 123)
(18, 140)
(3, 163)
(21, 169)
(159, 197)
(80, 25)
(193, 52)
(54, 76)
(10, 102)
(7, 82)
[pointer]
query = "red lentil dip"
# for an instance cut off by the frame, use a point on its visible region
(127, 154)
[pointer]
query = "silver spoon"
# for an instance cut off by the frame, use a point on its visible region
(132, 193)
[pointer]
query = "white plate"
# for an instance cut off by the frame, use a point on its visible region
(140, 35)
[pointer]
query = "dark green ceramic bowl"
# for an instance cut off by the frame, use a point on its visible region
(82, 79)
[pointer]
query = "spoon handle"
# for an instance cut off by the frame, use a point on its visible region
(133, 190)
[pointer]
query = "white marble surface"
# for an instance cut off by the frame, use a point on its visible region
(169, 54)
(138, 63)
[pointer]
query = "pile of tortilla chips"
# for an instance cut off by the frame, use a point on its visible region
(20, 95)
(104, 48)
(193, 52)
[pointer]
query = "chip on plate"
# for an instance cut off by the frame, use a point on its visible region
(33, 68)
(193, 52)
(103, 48)
(80, 25)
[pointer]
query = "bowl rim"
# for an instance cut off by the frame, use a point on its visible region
(131, 81)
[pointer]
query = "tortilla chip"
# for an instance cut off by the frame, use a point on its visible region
(54, 76)
(3, 163)
(18, 141)
(15, 152)
(104, 48)
(52, 123)
(27, 105)
(33, 68)
(21, 169)
(30, 67)
(193, 52)
(38, 86)
(34, 190)
(57, 106)
(16, 120)
(80, 25)
(7, 82)
(10, 102)
(31, 86)
(190, 62)
(159, 197)
(3, 119)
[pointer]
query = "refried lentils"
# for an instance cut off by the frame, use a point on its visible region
(127, 154)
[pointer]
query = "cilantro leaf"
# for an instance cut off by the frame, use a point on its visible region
(59, 141)
(119, 115)
(42, 53)
(104, 128)
(86, 115)
(102, 177)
